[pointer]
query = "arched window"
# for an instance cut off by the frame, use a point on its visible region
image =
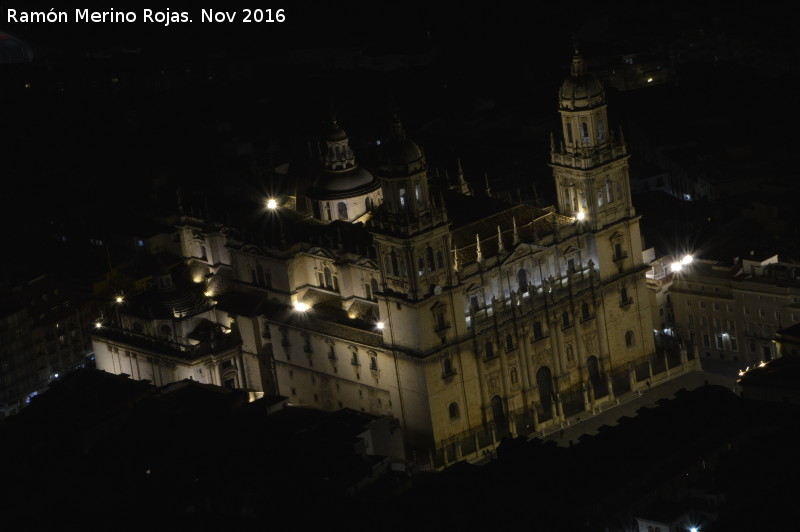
(328, 277)
(593, 367)
(514, 377)
(453, 410)
(522, 279)
(509, 342)
(570, 354)
(429, 254)
(629, 338)
(342, 208)
(565, 319)
(402, 198)
(585, 311)
(569, 133)
(585, 132)
(395, 266)
(448, 366)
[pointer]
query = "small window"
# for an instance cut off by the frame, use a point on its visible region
(569, 133)
(452, 410)
(514, 377)
(629, 339)
(585, 311)
(447, 366)
(565, 319)
(509, 342)
(623, 293)
(584, 132)
(537, 329)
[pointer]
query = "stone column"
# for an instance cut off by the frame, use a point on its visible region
(610, 385)
(632, 376)
(586, 405)
(666, 363)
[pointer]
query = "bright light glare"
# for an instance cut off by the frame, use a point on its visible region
(272, 204)
(762, 364)
(581, 216)
(301, 307)
(693, 529)
(687, 259)
(380, 325)
(676, 266)
(119, 299)
(97, 325)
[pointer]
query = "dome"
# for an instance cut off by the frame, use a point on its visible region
(335, 133)
(400, 155)
(581, 89)
(352, 182)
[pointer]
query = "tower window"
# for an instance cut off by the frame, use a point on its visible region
(585, 311)
(395, 267)
(448, 367)
(440, 259)
(609, 193)
(431, 264)
(601, 132)
(600, 201)
(509, 342)
(402, 198)
(489, 348)
(585, 132)
(421, 266)
(565, 319)
(629, 338)
(452, 410)
(328, 278)
(537, 329)
(342, 208)
(418, 194)
(569, 133)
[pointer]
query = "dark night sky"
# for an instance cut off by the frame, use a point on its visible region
(73, 141)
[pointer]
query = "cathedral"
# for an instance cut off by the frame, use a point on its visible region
(377, 287)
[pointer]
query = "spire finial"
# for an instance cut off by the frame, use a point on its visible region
(578, 66)
(397, 125)
(455, 258)
(500, 248)
(488, 188)
(478, 247)
(516, 232)
(462, 184)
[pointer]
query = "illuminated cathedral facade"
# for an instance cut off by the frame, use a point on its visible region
(466, 318)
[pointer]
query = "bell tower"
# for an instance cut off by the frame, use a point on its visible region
(411, 233)
(590, 163)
